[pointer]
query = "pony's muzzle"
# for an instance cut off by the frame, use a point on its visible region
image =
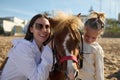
(70, 77)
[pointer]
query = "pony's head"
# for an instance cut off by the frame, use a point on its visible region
(66, 43)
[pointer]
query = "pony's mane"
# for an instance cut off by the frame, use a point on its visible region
(72, 22)
(68, 20)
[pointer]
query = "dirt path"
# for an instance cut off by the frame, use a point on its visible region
(111, 48)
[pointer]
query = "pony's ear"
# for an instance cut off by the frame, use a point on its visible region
(79, 15)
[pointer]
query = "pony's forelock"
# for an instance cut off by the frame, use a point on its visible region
(67, 20)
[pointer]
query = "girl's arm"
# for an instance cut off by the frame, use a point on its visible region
(99, 64)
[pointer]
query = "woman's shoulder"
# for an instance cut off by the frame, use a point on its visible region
(21, 47)
(22, 44)
(21, 41)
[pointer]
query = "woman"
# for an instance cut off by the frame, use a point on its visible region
(93, 64)
(29, 58)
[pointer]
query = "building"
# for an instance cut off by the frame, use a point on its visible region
(16, 26)
(12, 25)
(84, 18)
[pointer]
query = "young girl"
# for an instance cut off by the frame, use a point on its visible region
(93, 64)
(29, 58)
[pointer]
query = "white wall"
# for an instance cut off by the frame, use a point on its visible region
(7, 25)
(17, 20)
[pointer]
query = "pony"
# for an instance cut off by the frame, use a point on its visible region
(66, 45)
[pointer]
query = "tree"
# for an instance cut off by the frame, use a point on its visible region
(113, 25)
(1, 30)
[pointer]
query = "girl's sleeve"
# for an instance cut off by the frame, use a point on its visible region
(99, 64)
(24, 59)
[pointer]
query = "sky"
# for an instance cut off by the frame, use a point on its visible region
(26, 9)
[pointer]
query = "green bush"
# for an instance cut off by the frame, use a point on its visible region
(114, 25)
(113, 29)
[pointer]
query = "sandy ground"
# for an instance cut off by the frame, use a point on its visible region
(111, 48)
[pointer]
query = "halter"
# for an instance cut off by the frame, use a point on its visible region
(81, 52)
(65, 58)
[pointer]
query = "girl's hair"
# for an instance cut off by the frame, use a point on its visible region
(96, 20)
(29, 35)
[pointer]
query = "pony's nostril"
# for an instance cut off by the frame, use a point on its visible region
(76, 74)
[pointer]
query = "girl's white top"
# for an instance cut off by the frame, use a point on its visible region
(93, 64)
(26, 61)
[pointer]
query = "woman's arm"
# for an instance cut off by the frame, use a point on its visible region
(24, 59)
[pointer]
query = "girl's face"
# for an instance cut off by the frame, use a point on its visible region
(91, 35)
(40, 30)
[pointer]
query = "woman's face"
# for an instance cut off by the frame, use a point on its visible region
(91, 35)
(41, 30)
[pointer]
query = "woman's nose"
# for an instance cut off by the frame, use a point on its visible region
(44, 29)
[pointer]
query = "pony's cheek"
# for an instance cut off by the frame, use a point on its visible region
(75, 66)
(75, 52)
